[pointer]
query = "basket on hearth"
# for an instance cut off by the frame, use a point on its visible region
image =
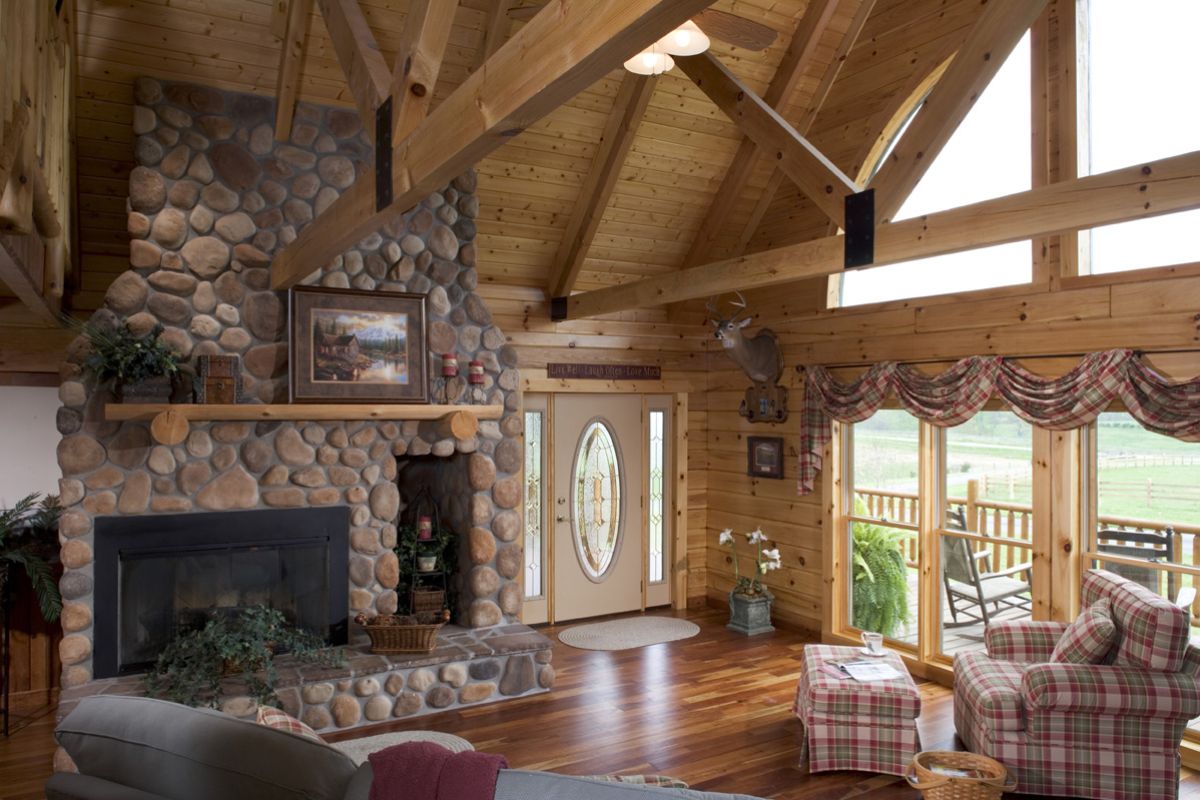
(415, 633)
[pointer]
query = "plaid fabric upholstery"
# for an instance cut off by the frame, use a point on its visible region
(1088, 730)
(274, 718)
(1023, 641)
(1110, 690)
(1089, 638)
(642, 780)
(954, 396)
(856, 726)
(991, 689)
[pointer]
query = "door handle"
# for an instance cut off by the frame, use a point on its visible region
(560, 519)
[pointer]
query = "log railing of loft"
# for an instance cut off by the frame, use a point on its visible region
(1009, 528)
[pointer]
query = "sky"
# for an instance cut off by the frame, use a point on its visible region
(1145, 80)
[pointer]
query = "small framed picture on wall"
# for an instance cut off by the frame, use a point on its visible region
(764, 456)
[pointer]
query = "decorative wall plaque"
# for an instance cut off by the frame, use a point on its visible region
(605, 372)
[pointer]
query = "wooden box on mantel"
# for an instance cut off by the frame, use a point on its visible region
(219, 379)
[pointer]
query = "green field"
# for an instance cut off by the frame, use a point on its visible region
(1142, 475)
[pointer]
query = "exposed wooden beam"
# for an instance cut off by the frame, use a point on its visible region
(1160, 187)
(804, 125)
(818, 177)
(495, 30)
(563, 50)
(998, 30)
(797, 58)
(291, 55)
(279, 17)
(418, 62)
(366, 70)
(627, 112)
(23, 271)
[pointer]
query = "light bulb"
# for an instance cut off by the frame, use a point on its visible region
(651, 61)
(686, 40)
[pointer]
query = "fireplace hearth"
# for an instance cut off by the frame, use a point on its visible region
(160, 575)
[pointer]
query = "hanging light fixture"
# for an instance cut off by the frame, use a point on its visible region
(686, 40)
(651, 61)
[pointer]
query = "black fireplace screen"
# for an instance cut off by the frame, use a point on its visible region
(160, 575)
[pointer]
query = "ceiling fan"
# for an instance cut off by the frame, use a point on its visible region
(737, 31)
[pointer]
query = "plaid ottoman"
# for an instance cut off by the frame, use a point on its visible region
(850, 725)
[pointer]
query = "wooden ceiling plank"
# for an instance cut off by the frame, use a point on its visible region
(998, 30)
(418, 62)
(816, 103)
(818, 177)
(1159, 187)
(291, 57)
(628, 110)
(563, 50)
(366, 71)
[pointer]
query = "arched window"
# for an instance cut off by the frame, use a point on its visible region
(1139, 92)
(988, 156)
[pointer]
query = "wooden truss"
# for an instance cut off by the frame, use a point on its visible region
(565, 48)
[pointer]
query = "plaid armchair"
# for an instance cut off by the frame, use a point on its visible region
(1109, 731)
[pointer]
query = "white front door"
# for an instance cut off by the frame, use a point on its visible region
(597, 509)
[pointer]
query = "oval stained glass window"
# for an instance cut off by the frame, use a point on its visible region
(597, 516)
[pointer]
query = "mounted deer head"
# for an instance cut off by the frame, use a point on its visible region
(758, 357)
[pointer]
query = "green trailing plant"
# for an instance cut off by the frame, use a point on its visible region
(190, 669)
(880, 594)
(29, 542)
(443, 544)
(119, 357)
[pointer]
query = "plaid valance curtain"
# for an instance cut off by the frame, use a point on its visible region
(956, 395)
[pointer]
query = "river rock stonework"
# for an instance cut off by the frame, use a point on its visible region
(213, 199)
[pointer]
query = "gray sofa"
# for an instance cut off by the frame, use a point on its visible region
(136, 748)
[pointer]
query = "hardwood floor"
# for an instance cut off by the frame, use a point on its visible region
(714, 710)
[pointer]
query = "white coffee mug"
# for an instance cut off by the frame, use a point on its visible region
(873, 642)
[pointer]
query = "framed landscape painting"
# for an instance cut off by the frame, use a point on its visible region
(357, 347)
(764, 456)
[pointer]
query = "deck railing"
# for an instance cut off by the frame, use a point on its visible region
(1009, 526)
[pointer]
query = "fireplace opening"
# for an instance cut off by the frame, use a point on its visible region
(158, 576)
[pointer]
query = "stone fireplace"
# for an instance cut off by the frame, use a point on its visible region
(212, 199)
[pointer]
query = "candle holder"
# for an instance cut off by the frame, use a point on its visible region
(449, 371)
(475, 378)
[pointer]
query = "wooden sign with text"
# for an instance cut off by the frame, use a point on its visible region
(605, 372)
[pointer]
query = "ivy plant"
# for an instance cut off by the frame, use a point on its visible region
(191, 669)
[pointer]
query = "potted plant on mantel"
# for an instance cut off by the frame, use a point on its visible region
(750, 601)
(140, 369)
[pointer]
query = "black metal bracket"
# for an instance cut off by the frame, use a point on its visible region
(558, 309)
(383, 155)
(860, 229)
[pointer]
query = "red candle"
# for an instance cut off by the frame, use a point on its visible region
(475, 372)
(425, 528)
(449, 365)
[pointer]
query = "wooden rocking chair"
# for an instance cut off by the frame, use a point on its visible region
(970, 584)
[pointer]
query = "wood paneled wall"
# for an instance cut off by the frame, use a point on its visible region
(1152, 310)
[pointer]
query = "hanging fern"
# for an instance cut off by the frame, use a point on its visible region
(880, 576)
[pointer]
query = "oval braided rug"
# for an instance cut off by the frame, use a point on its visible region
(626, 634)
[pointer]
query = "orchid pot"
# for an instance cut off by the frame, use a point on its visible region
(750, 601)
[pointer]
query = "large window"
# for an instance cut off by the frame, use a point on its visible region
(988, 156)
(945, 514)
(1141, 66)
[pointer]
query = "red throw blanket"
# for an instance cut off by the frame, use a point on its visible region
(427, 771)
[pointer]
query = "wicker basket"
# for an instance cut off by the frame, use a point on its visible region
(428, 600)
(403, 638)
(989, 778)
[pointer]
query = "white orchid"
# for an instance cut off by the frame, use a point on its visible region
(764, 561)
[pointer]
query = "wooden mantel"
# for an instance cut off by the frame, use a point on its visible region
(170, 422)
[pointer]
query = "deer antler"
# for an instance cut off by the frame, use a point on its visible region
(740, 303)
(713, 311)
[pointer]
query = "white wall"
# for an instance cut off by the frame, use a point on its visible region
(28, 442)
